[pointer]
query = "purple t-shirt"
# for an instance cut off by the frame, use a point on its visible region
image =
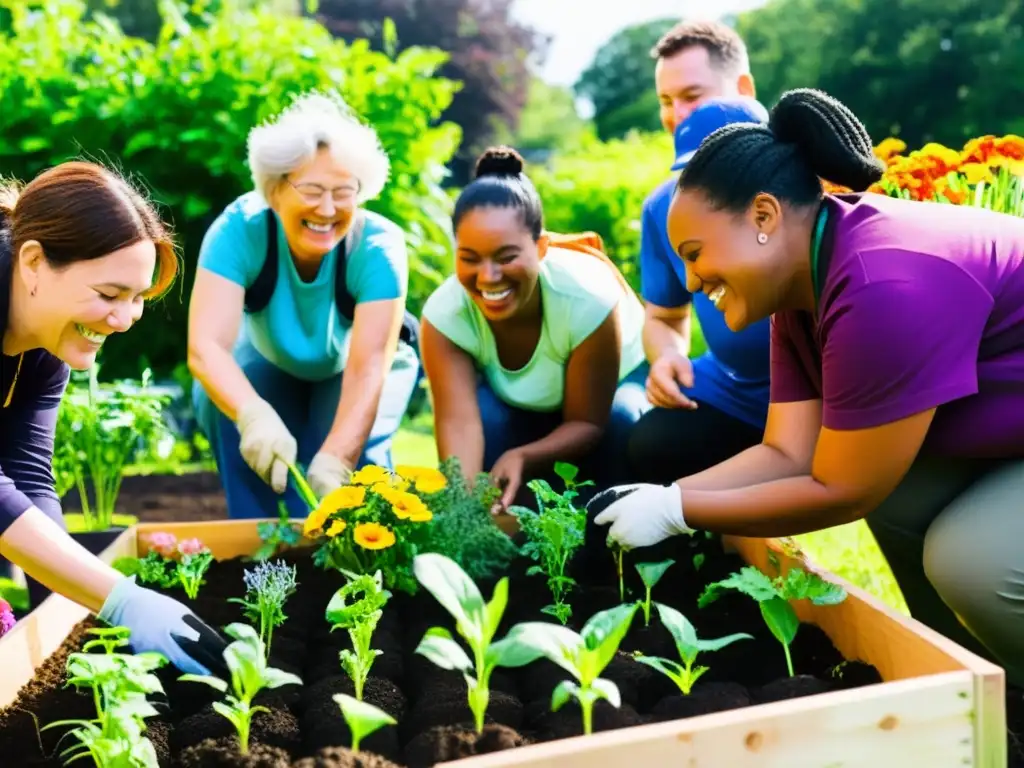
(922, 306)
(27, 424)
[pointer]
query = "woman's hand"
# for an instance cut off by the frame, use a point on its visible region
(266, 444)
(507, 473)
(161, 624)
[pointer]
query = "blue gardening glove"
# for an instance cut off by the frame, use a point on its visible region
(641, 515)
(162, 624)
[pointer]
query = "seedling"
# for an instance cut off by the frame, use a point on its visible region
(108, 638)
(357, 607)
(267, 588)
(553, 534)
(362, 718)
(773, 596)
(650, 574)
(120, 684)
(476, 622)
(688, 645)
(583, 655)
(250, 674)
(618, 553)
(277, 535)
(191, 569)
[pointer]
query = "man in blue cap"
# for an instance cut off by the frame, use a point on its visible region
(714, 406)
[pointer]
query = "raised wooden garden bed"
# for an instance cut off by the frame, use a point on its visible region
(938, 705)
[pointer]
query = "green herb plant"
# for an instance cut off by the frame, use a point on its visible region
(191, 569)
(246, 660)
(773, 596)
(476, 622)
(361, 717)
(650, 574)
(100, 430)
(267, 589)
(584, 655)
(119, 683)
(688, 645)
(553, 534)
(358, 607)
(277, 535)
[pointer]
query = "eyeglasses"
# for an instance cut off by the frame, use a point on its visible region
(314, 193)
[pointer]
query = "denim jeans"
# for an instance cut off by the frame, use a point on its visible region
(308, 410)
(506, 427)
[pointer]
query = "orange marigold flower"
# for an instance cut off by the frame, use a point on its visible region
(373, 536)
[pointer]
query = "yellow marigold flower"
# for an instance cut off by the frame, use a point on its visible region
(425, 479)
(346, 497)
(409, 506)
(890, 148)
(337, 527)
(370, 475)
(373, 536)
(976, 172)
(315, 521)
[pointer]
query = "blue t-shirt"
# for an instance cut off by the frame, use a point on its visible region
(300, 330)
(733, 375)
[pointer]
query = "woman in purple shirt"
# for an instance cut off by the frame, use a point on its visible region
(897, 369)
(80, 253)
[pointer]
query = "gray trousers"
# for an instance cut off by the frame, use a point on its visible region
(953, 533)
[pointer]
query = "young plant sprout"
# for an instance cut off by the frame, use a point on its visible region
(583, 655)
(773, 596)
(267, 588)
(357, 607)
(277, 535)
(250, 674)
(650, 574)
(618, 553)
(553, 534)
(119, 684)
(688, 645)
(191, 569)
(476, 622)
(108, 638)
(362, 718)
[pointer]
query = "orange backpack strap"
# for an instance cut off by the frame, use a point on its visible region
(591, 244)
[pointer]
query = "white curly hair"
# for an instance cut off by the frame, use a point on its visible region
(314, 121)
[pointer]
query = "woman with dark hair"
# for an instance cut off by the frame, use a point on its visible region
(533, 349)
(80, 254)
(897, 380)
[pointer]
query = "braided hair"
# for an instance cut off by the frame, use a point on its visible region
(809, 136)
(501, 183)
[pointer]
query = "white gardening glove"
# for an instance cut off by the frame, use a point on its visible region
(266, 444)
(327, 473)
(641, 515)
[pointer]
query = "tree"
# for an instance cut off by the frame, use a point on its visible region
(620, 80)
(549, 120)
(488, 54)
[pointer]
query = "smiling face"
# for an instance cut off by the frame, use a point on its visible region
(75, 308)
(316, 204)
(745, 279)
(689, 78)
(497, 261)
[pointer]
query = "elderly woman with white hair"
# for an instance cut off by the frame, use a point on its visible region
(299, 341)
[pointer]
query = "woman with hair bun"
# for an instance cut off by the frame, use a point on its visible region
(897, 379)
(533, 347)
(298, 339)
(81, 252)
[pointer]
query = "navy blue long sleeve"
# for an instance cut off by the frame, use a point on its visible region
(27, 423)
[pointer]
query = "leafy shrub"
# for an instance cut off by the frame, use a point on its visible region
(174, 114)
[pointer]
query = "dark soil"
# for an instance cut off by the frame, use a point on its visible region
(305, 729)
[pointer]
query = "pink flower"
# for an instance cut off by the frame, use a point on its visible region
(7, 620)
(163, 543)
(191, 547)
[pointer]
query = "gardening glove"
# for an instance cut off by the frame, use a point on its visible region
(641, 515)
(266, 444)
(327, 473)
(162, 624)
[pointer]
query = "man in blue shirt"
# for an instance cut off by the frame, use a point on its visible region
(714, 406)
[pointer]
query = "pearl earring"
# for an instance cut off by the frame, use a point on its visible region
(762, 238)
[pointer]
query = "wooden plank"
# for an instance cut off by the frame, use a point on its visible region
(926, 722)
(225, 538)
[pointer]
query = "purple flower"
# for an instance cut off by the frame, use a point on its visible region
(7, 620)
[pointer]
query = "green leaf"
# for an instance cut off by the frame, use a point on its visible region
(563, 692)
(606, 689)
(748, 580)
(781, 619)
(567, 472)
(496, 608)
(671, 669)
(440, 648)
(213, 682)
(511, 653)
(651, 573)
(362, 718)
(275, 678)
(556, 643)
(604, 631)
(454, 590)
